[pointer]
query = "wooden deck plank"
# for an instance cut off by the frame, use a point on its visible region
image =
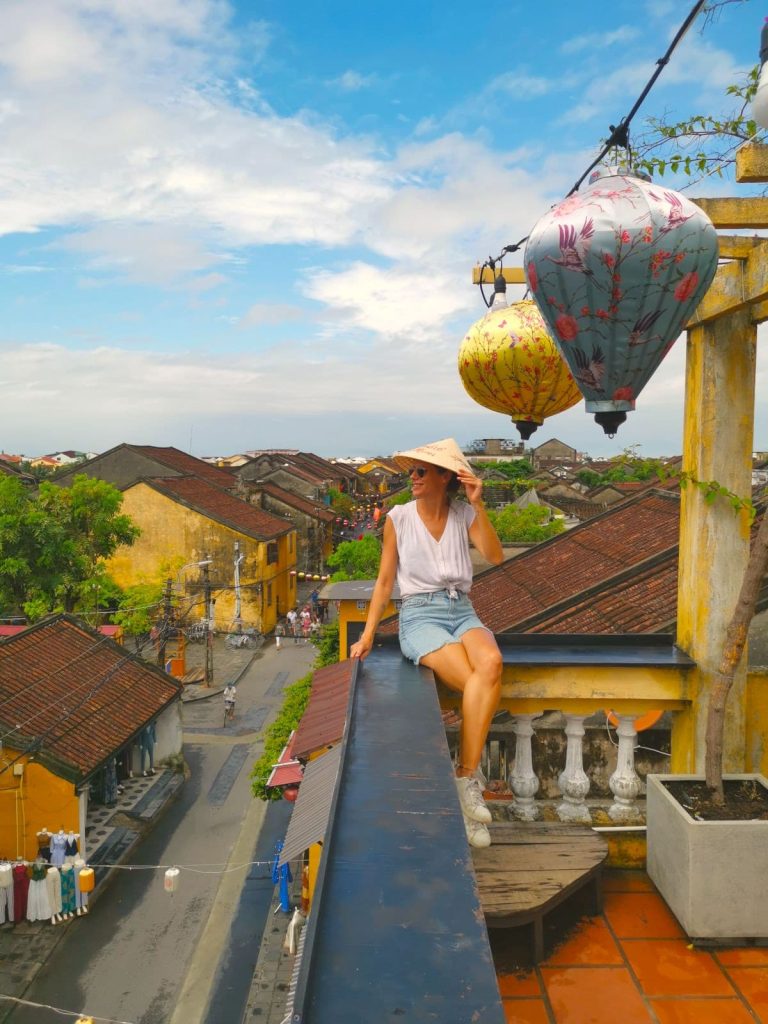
(531, 866)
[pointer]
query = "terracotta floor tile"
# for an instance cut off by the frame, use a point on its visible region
(701, 1011)
(743, 956)
(525, 1011)
(522, 983)
(641, 915)
(591, 943)
(753, 984)
(667, 967)
(627, 881)
(594, 995)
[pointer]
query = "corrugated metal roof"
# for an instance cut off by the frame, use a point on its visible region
(309, 821)
(323, 722)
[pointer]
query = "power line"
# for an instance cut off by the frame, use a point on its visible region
(619, 136)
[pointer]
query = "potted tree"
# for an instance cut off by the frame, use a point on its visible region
(708, 838)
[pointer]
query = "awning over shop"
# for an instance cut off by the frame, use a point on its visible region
(309, 821)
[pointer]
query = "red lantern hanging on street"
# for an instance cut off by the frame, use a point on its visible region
(617, 272)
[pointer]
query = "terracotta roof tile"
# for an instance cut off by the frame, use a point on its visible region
(643, 601)
(186, 464)
(221, 506)
(577, 560)
(298, 501)
(323, 722)
(78, 694)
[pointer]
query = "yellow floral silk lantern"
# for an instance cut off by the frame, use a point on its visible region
(509, 363)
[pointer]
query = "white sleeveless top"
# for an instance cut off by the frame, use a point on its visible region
(425, 564)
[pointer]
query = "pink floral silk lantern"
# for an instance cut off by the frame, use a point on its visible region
(617, 272)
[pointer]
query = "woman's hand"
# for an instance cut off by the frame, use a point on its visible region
(473, 486)
(361, 649)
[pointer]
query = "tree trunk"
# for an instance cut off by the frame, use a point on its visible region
(733, 649)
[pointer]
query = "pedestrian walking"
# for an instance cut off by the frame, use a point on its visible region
(293, 621)
(279, 633)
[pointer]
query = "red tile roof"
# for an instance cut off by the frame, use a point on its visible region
(576, 560)
(643, 600)
(221, 506)
(76, 695)
(323, 722)
(186, 464)
(298, 501)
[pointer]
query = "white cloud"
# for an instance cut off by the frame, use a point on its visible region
(353, 81)
(271, 314)
(520, 85)
(600, 40)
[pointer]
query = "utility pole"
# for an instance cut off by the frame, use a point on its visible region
(238, 562)
(209, 630)
(166, 623)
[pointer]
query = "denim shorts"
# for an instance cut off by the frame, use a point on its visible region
(430, 621)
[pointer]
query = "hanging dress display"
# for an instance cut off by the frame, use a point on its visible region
(20, 891)
(6, 893)
(58, 848)
(71, 849)
(68, 895)
(53, 886)
(38, 904)
(44, 845)
(110, 782)
(81, 896)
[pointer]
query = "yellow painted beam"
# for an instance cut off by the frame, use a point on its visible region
(737, 285)
(752, 163)
(512, 275)
(596, 685)
(728, 213)
(738, 247)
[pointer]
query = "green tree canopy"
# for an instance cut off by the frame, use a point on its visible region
(517, 469)
(356, 559)
(588, 477)
(524, 525)
(53, 544)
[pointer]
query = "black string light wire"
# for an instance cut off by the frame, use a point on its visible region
(618, 138)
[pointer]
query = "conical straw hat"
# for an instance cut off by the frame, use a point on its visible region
(445, 453)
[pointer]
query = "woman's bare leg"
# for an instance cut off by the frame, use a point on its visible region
(473, 668)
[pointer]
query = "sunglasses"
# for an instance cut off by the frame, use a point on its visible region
(419, 471)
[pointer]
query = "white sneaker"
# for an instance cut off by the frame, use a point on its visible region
(477, 834)
(471, 799)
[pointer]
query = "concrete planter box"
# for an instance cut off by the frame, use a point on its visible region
(712, 874)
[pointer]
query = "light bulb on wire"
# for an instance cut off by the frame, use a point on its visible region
(499, 297)
(760, 102)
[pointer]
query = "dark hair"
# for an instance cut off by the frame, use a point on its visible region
(453, 483)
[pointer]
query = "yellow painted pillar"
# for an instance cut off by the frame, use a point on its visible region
(714, 539)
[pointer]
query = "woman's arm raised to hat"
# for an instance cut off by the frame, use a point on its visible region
(481, 532)
(382, 592)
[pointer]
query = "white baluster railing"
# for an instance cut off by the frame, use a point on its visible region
(523, 780)
(625, 782)
(573, 781)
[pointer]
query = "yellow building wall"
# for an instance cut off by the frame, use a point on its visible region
(756, 759)
(355, 611)
(33, 801)
(173, 534)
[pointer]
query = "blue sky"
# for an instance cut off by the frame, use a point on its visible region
(241, 225)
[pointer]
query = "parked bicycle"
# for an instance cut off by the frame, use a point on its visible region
(251, 638)
(197, 632)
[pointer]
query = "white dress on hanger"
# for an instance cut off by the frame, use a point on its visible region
(38, 904)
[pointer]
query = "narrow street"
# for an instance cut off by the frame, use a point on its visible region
(128, 960)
